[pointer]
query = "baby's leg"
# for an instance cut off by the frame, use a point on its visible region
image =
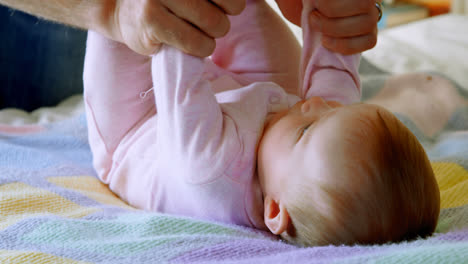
(114, 77)
(260, 47)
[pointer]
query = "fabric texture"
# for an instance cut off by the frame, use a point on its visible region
(54, 209)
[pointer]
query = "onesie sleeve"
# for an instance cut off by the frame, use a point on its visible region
(323, 73)
(195, 138)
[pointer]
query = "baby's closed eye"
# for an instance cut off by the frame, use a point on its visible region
(304, 130)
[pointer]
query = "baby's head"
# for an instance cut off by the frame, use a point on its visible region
(334, 174)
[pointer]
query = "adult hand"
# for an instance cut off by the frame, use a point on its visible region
(348, 26)
(189, 25)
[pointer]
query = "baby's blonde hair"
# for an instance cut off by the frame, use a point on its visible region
(389, 195)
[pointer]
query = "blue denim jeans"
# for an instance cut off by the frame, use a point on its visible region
(41, 62)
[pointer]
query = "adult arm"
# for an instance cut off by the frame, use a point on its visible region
(91, 14)
(189, 25)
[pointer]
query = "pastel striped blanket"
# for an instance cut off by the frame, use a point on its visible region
(54, 210)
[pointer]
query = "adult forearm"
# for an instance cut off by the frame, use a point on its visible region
(84, 14)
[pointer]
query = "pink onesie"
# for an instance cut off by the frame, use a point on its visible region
(189, 148)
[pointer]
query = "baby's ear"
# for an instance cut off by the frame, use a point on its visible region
(276, 216)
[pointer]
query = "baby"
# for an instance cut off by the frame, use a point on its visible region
(239, 138)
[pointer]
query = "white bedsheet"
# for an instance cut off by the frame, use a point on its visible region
(68, 108)
(437, 44)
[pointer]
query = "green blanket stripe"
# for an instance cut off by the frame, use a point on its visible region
(130, 234)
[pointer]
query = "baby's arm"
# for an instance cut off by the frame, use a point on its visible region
(324, 73)
(114, 77)
(193, 133)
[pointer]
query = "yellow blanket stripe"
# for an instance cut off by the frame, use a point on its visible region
(20, 201)
(90, 187)
(14, 257)
(453, 183)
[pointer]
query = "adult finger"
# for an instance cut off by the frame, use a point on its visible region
(134, 24)
(176, 32)
(344, 8)
(345, 27)
(202, 14)
(348, 46)
(291, 10)
(231, 7)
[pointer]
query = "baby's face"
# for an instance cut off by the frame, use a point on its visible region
(305, 141)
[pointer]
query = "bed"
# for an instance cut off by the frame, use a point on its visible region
(54, 210)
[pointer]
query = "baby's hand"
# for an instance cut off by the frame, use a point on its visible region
(189, 25)
(348, 26)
